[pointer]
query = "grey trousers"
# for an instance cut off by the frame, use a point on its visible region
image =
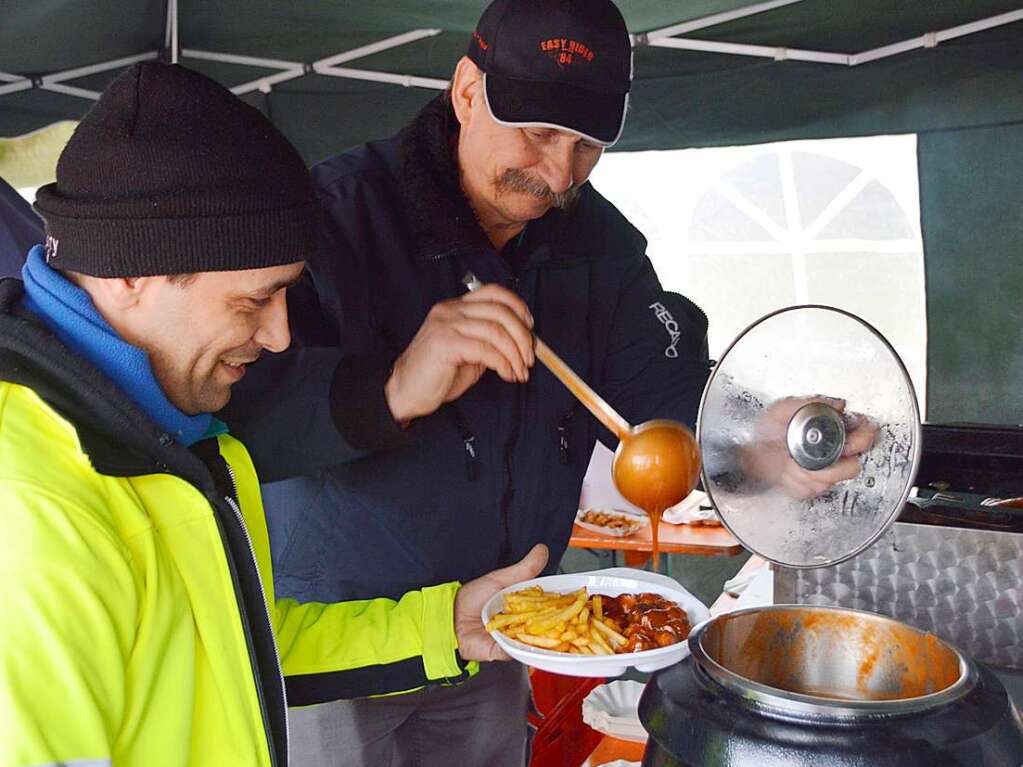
(481, 723)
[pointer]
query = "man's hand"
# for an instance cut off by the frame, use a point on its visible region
(474, 641)
(768, 459)
(490, 328)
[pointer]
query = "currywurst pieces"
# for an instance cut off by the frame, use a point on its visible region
(584, 624)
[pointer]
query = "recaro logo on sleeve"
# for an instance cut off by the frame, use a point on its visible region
(662, 314)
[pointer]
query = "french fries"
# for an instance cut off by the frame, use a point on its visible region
(572, 623)
(583, 625)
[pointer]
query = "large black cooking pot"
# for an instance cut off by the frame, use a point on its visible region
(793, 685)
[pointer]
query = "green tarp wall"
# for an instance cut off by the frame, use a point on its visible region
(971, 202)
(964, 97)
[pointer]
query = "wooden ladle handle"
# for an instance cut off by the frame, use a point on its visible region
(596, 404)
(604, 413)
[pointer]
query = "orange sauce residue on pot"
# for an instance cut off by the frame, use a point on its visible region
(866, 667)
(928, 668)
(774, 648)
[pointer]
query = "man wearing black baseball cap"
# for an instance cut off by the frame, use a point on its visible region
(488, 454)
(566, 66)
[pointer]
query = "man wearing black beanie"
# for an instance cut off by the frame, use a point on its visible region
(139, 623)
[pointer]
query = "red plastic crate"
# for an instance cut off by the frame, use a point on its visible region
(562, 739)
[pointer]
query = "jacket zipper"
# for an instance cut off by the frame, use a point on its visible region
(468, 444)
(518, 399)
(563, 453)
(233, 504)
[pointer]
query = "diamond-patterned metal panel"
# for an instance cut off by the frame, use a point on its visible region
(966, 586)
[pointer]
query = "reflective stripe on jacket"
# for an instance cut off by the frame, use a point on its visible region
(124, 636)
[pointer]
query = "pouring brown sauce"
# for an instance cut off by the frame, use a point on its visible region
(657, 463)
(655, 467)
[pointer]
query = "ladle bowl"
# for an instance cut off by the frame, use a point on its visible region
(656, 465)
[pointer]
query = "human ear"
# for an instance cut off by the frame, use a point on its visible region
(466, 88)
(120, 293)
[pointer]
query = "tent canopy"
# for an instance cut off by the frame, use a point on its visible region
(708, 72)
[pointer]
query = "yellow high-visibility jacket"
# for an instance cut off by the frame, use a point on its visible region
(137, 609)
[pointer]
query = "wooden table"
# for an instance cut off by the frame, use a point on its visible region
(705, 540)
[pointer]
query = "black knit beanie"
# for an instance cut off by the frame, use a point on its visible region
(169, 173)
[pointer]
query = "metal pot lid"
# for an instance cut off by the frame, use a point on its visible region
(786, 399)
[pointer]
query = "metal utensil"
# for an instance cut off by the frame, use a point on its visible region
(972, 509)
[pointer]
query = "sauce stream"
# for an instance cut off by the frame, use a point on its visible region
(655, 468)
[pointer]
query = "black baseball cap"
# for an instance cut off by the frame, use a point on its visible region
(564, 64)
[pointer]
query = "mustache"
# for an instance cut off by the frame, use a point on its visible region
(515, 180)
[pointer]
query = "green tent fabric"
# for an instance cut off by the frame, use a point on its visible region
(681, 98)
(964, 98)
(972, 218)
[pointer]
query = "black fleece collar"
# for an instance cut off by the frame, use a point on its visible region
(118, 437)
(442, 219)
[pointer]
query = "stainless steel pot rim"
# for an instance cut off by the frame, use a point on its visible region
(799, 705)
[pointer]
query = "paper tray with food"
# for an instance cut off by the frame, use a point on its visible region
(616, 522)
(573, 632)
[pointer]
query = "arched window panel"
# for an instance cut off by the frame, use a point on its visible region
(747, 230)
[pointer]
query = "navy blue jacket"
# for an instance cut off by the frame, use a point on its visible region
(473, 486)
(20, 229)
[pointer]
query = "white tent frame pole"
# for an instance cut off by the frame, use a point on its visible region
(55, 82)
(979, 26)
(662, 38)
(326, 66)
(290, 70)
(369, 50)
(70, 90)
(931, 39)
(234, 58)
(170, 38)
(22, 84)
(717, 18)
(743, 49)
(928, 40)
(886, 51)
(265, 84)
(103, 66)
(16, 83)
(409, 81)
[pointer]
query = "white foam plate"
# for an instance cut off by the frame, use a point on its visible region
(613, 709)
(639, 522)
(612, 582)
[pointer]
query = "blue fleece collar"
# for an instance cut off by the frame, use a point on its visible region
(69, 312)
